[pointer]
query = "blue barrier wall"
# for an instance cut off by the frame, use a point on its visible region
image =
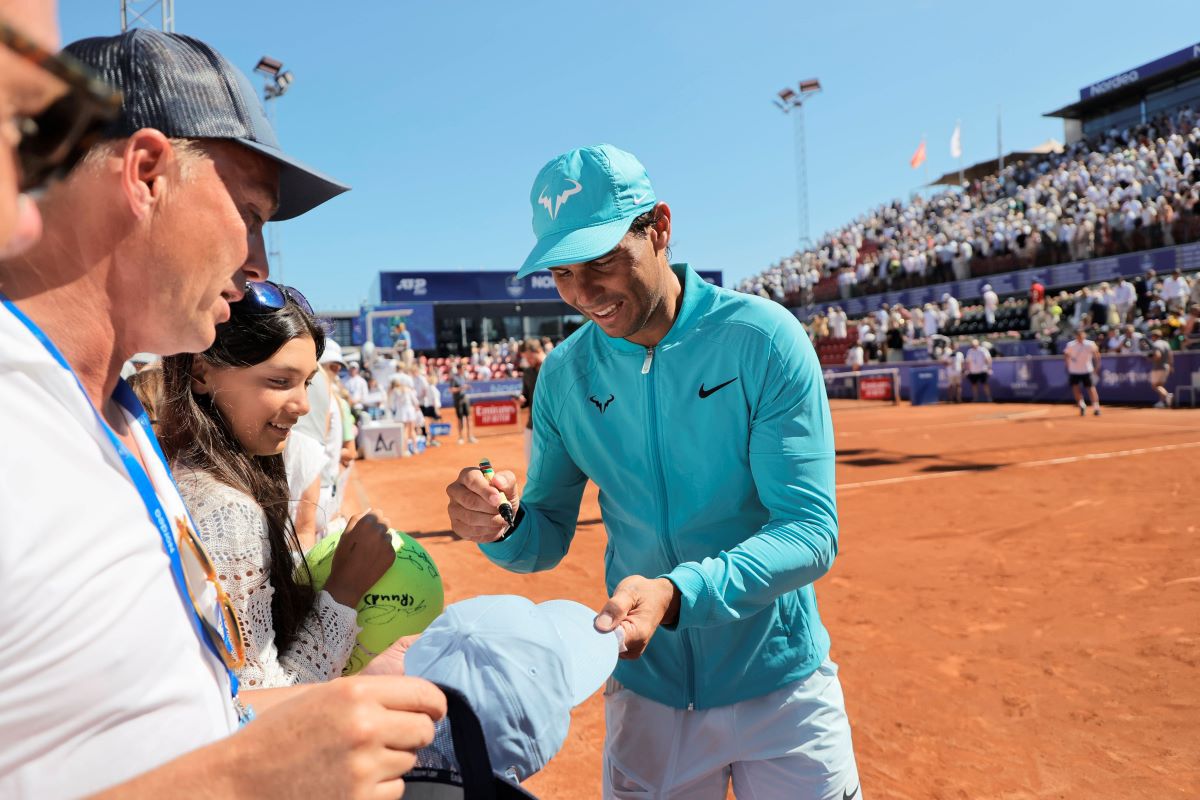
(1043, 379)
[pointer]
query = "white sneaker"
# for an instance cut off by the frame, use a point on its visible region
(1170, 403)
(462, 440)
(1082, 410)
(1161, 404)
(473, 440)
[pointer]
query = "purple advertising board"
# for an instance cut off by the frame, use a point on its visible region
(1043, 379)
(1148, 70)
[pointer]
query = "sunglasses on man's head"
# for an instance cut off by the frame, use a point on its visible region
(53, 141)
(269, 295)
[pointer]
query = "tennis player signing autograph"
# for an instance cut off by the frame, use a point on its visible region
(701, 415)
(117, 656)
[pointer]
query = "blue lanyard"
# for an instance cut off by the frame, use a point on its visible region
(141, 481)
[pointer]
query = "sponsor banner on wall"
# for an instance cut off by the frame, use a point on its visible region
(1043, 379)
(494, 412)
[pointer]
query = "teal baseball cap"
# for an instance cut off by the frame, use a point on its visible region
(583, 202)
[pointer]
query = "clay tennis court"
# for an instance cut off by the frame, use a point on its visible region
(1015, 605)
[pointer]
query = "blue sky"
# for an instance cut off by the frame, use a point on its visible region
(439, 114)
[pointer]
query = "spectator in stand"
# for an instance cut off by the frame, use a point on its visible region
(1124, 299)
(1144, 289)
(1037, 292)
(1162, 362)
(953, 310)
(979, 370)
(819, 326)
(1190, 330)
(990, 303)
(855, 356)
(1175, 290)
(355, 384)
(837, 322)
(1081, 357)
(1128, 341)
(1101, 302)
(532, 357)
(930, 320)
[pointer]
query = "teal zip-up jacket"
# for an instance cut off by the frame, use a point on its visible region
(714, 456)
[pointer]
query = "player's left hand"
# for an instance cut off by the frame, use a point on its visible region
(638, 606)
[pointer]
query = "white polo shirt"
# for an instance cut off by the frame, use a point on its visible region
(1079, 356)
(102, 676)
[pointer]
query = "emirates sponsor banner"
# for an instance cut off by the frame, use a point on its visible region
(494, 412)
(875, 388)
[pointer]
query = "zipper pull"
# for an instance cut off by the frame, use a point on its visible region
(649, 360)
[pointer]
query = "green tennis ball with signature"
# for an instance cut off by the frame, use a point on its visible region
(404, 601)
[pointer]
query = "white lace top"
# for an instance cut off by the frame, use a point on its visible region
(234, 530)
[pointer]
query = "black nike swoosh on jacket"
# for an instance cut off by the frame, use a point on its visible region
(706, 392)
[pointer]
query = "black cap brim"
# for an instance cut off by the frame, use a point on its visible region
(301, 188)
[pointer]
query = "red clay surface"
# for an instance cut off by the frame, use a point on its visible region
(1015, 605)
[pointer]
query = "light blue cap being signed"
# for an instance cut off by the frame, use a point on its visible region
(583, 202)
(522, 667)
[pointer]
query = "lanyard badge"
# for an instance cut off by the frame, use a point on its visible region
(213, 616)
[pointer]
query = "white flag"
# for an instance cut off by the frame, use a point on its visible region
(956, 141)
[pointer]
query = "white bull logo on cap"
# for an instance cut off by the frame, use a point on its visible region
(552, 207)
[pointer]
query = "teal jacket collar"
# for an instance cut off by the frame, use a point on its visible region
(696, 293)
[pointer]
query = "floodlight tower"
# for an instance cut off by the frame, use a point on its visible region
(136, 13)
(790, 101)
(276, 81)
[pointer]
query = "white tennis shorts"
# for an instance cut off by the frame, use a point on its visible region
(792, 744)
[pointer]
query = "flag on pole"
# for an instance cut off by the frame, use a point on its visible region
(918, 157)
(956, 141)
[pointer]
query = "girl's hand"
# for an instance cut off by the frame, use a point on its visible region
(363, 555)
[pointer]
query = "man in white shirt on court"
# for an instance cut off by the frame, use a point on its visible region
(855, 356)
(1082, 358)
(979, 370)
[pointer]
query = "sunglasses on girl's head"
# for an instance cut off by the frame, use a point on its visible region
(273, 296)
(54, 141)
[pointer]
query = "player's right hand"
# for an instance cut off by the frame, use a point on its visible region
(475, 504)
(351, 737)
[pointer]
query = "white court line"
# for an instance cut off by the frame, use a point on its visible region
(1041, 463)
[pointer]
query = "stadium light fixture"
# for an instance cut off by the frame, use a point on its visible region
(268, 66)
(276, 79)
(790, 100)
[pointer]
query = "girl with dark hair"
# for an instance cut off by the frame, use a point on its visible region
(225, 419)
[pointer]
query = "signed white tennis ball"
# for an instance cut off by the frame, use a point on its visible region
(404, 601)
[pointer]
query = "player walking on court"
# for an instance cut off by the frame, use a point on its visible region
(1162, 361)
(979, 370)
(1082, 357)
(701, 415)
